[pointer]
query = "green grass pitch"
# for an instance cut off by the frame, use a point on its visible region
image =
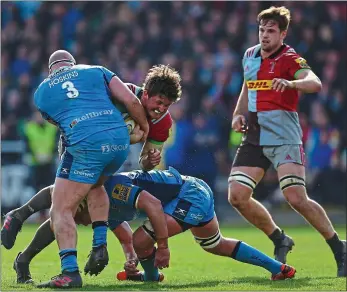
(191, 268)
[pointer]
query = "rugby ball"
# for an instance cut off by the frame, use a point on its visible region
(131, 124)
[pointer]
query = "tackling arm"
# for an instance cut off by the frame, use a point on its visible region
(121, 93)
(154, 211)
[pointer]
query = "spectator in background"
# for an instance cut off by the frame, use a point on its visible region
(41, 139)
(202, 144)
(176, 147)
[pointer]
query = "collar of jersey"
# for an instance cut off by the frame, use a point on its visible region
(275, 54)
(59, 70)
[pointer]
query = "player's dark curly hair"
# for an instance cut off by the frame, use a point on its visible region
(279, 14)
(165, 81)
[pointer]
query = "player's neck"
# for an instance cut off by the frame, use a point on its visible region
(265, 54)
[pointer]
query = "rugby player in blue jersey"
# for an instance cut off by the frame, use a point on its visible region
(79, 100)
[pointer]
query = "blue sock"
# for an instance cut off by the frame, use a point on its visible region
(247, 254)
(99, 233)
(151, 273)
(68, 258)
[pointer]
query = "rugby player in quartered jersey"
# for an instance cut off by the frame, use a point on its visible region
(160, 90)
(266, 113)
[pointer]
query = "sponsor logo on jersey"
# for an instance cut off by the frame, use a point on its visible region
(121, 192)
(259, 85)
(89, 116)
(302, 63)
(107, 148)
(272, 67)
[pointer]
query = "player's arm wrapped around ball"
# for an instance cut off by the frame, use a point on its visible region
(134, 129)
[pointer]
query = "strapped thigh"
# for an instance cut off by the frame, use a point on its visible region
(209, 242)
(243, 178)
(291, 180)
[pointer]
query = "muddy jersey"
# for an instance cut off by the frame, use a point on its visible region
(159, 129)
(273, 119)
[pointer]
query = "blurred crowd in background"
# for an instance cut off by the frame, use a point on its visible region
(205, 42)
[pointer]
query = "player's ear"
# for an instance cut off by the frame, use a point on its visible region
(144, 95)
(283, 34)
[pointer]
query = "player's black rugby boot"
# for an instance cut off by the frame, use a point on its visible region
(12, 225)
(282, 247)
(63, 281)
(341, 261)
(97, 260)
(22, 271)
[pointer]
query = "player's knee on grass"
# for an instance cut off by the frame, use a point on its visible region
(241, 187)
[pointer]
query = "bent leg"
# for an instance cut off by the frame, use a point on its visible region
(292, 182)
(40, 201)
(242, 182)
(212, 241)
(14, 220)
(43, 237)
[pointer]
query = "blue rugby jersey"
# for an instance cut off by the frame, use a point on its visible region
(77, 100)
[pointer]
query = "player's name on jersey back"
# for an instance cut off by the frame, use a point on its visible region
(62, 78)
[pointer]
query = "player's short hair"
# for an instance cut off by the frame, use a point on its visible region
(279, 14)
(165, 81)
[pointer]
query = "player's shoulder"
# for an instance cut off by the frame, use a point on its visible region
(288, 53)
(40, 88)
(252, 52)
(89, 68)
(137, 90)
(165, 121)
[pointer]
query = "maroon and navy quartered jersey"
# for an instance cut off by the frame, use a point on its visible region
(159, 129)
(273, 118)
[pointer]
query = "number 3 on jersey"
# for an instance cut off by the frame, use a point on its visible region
(72, 91)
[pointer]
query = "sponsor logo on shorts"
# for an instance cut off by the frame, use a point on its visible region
(259, 85)
(121, 192)
(197, 217)
(181, 212)
(84, 173)
(89, 116)
(107, 148)
(64, 170)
